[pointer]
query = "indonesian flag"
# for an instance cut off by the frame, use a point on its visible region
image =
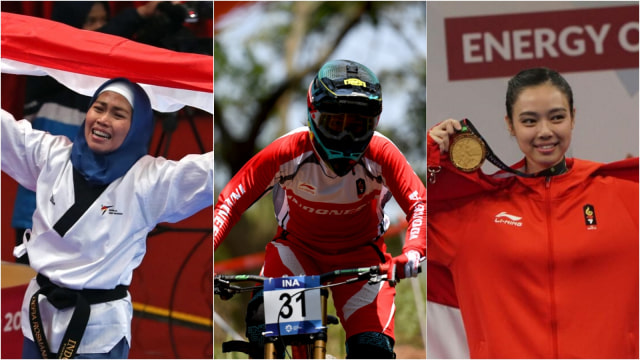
(82, 60)
(446, 338)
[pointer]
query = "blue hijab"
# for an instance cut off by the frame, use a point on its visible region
(102, 169)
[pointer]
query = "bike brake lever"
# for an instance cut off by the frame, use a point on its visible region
(224, 294)
(375, 279)
(221, 288)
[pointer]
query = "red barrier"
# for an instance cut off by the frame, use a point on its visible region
(15, 278)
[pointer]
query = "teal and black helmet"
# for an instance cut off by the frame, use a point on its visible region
(344, 103)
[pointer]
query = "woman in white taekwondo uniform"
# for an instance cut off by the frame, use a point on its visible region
(97, 199)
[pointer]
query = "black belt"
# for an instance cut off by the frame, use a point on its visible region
(63, 298)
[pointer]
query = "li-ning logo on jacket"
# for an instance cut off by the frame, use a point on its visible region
(508, 219)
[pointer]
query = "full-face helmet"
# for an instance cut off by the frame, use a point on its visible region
(344, 103)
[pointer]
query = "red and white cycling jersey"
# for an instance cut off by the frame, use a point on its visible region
(328, 213)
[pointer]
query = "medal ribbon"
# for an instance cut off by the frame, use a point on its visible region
(491, 156)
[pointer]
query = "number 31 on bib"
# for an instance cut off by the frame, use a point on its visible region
(293, 303)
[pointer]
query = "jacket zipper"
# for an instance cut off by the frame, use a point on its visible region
(551, 271)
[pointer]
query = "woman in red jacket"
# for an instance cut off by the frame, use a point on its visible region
(544, 254)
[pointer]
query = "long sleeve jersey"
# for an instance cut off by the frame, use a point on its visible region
(543, 267)
(106, 243)
(327, 213)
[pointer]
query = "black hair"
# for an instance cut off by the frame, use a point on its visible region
(533, 77)
(74, 13)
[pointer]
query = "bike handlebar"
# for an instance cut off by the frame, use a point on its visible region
(224, 288)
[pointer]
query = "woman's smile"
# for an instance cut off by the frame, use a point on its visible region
(108, 122)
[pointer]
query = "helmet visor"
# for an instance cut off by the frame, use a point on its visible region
(339, 126)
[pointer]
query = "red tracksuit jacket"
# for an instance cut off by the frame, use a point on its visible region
(542, 267)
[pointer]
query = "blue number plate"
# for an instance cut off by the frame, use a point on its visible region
(292, 305)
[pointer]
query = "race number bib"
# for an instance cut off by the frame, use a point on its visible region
(289, 309)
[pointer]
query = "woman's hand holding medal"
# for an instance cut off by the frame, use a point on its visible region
(466, 150)
(443, 131)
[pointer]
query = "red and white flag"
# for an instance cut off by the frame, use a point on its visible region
(446, 338)
(82, 60)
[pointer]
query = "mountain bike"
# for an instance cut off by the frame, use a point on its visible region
(295, 308)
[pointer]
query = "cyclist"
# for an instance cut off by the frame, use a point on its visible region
(330, 182)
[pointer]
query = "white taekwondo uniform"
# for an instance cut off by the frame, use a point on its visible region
(103, 247)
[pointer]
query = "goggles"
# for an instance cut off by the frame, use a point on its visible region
(341, 143)
(339, 126)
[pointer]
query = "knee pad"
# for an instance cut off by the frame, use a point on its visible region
(370, 345)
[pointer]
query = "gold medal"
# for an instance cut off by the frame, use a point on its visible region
(467, 152)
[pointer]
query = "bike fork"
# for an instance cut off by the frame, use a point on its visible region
(319, 347)
(270, 348)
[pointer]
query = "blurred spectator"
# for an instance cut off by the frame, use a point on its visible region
(166, 28)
